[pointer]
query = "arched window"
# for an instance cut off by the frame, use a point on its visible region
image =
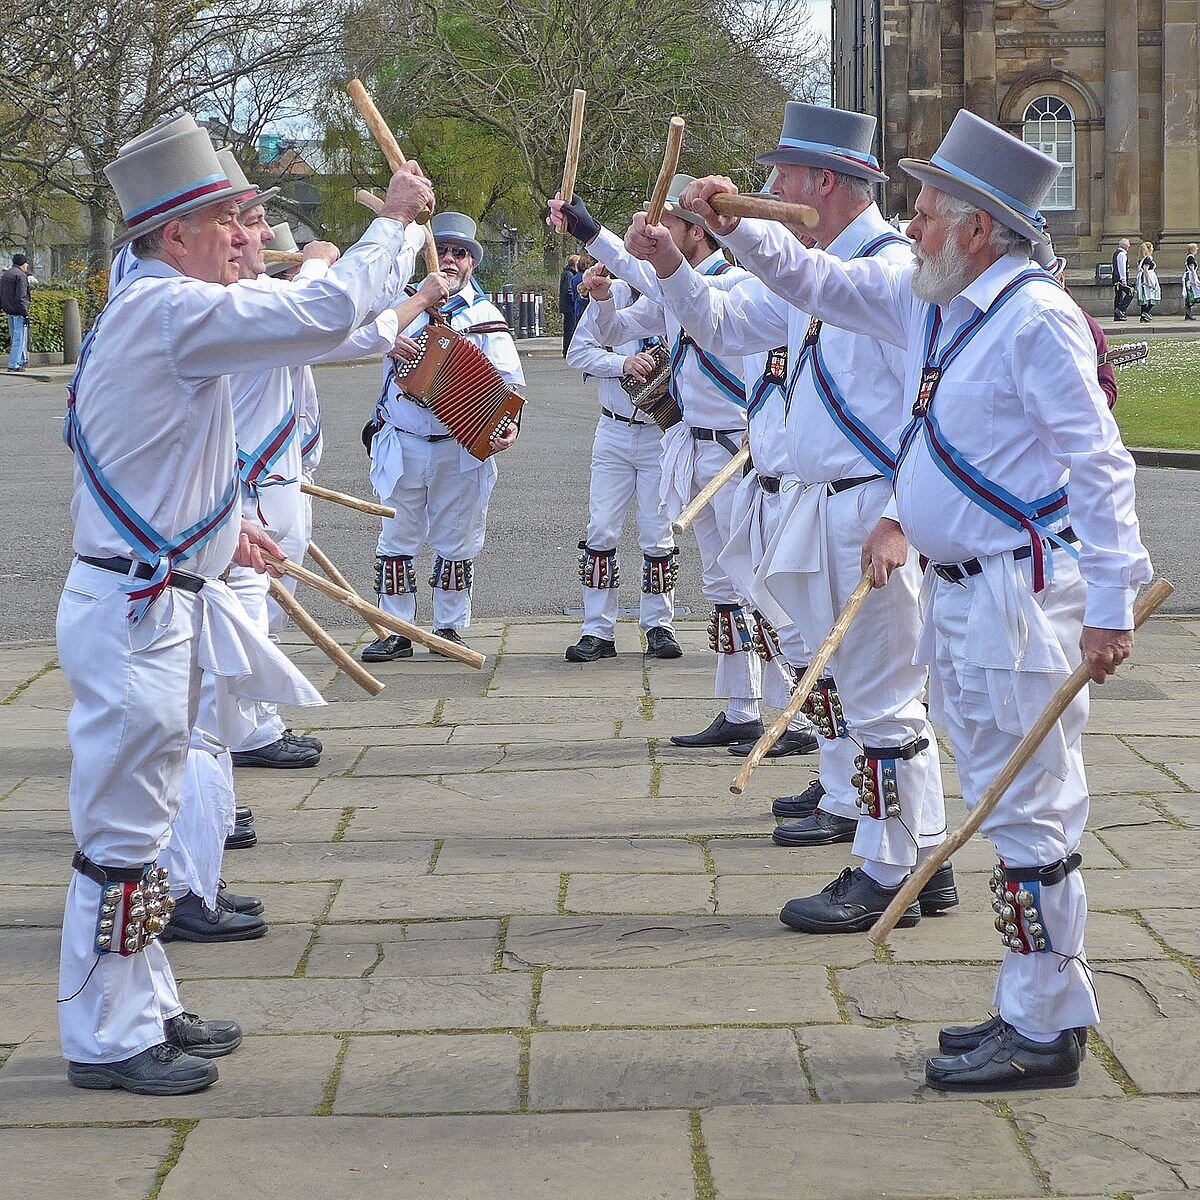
(1050, 126)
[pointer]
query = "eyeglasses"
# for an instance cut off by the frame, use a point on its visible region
(456, 252)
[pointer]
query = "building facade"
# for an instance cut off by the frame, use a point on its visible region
(1111, 88)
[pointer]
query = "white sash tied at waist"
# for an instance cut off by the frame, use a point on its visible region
(678, 469)
(791, 577)
(749, 522)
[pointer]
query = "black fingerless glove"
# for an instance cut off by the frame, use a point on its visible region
(579, 222)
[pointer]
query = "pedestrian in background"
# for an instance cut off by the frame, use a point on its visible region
(567, 296)
(1122, 291)
(14, 303)
(1191, 282)
(1149, 292)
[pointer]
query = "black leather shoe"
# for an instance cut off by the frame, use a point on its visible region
(821, 829)
(721, 733)
(940, 893)
(163, 1070)
(243, 814)
(304, 739)
(1005, 1061)
(958, 1039)
(803, 805)
(852, 903)
(451, 635)
(794, 741)
(230, 902)
(242, 838)
(194, 921)
(661, 643)
(282, 755)
(591, 649)
(204, 1039)
(387, 648)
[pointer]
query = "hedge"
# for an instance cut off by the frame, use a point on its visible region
(46, 319)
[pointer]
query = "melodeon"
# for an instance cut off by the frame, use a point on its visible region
(651, 396)
(454, 379)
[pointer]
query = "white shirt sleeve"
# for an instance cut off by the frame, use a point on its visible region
(641, 319)
(366, 341)
(590, 355)
(744, 319)
(865, 295)
(607, 248)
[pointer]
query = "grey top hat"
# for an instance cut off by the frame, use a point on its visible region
(248, 193)
(1000, 174)
(678, 183)
(458, 229)
(829, 138)
(282, 239)
(164, 173)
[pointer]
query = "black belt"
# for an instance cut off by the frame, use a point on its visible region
(723, 437)
(769, 484)
(844, 485)
(120, 566)
(427, 437)
(1052, 873)
(957, 572)
(904, 753)
(103, 875)
(618, 417)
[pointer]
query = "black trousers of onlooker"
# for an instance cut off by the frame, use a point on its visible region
(570, 320)
(1122, 298)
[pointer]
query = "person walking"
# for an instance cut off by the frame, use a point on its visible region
(566, 300)
(14, 303)
(1149, 292)
(1122, 291)
(1191, 282)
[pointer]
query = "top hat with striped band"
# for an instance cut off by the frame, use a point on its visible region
(284, 240)
(998, 173)
(164, 173)
(459, 230)
(678, 183)
(248, 194)
(830, 139)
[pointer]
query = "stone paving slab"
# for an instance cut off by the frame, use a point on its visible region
(593, 1156)
(69, 1162)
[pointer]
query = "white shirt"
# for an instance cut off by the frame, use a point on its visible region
(153, 399)
(1021, 403)
(589, 354)
(866, 373)
(308, 413)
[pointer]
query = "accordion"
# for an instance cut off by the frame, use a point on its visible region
(454, 379)
(651, 396)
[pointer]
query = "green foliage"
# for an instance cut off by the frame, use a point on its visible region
(45, 319)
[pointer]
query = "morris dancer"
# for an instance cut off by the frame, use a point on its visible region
(626, 462)
(438, 489)
(846, 407)
(1008, 416)
(712, 398)
(151, 424)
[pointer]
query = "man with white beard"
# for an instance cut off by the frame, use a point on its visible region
(1007, 413)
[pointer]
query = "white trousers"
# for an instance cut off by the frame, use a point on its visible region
(1041, 818)
(294, 545)
(435, 497)
(626, 462)
(251, 589)
(136, 689)
(879, 686)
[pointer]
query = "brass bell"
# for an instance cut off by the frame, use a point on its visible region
(997, 905)
(103, 941)
(998, 874)
(1040, 944)
(856, 780)
(112, 893)
(105, 925)
(861, 762)
(168, 905)
(1000, 926)
(893, 810)
(1011, 928)
(1024, 897)
(1008, 912)
(155, 925)
(1035, 929)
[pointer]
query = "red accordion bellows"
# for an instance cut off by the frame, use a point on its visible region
(454, 379)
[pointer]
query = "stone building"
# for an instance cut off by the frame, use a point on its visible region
(1110, 87)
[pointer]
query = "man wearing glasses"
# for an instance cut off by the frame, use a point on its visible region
(439, 490)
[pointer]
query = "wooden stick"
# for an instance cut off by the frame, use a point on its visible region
(670, 164)
(308, 625)
(1145, 608)
(574, 140)
(326, 564)
(293, 257)
(386, 140)
(704, 496)
(369, 200)
(364, 506)
(462, 654)
(807, 681)
(765, 209)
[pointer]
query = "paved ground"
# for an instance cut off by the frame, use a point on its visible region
(520, 946)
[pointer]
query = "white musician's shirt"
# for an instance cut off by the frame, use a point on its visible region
(153, 396)
(589, 354)
(1021, 404)
(868, 374)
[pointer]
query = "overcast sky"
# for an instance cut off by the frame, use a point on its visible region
(820, 15)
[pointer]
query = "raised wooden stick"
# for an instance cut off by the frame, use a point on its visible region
(386, 140)
(462, 654)
(308, 626)
(1153, 599)
(326, 564)
(670, 164)
(705, 495)
(369, 200)
(807, 681)
(364, 506)
(574, 140)
(765, 209)
(294, 257)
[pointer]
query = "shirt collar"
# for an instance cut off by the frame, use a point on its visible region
(982, 291)
(715, 257)
(867, 225)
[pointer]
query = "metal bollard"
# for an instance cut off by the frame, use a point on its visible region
(72, 330)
